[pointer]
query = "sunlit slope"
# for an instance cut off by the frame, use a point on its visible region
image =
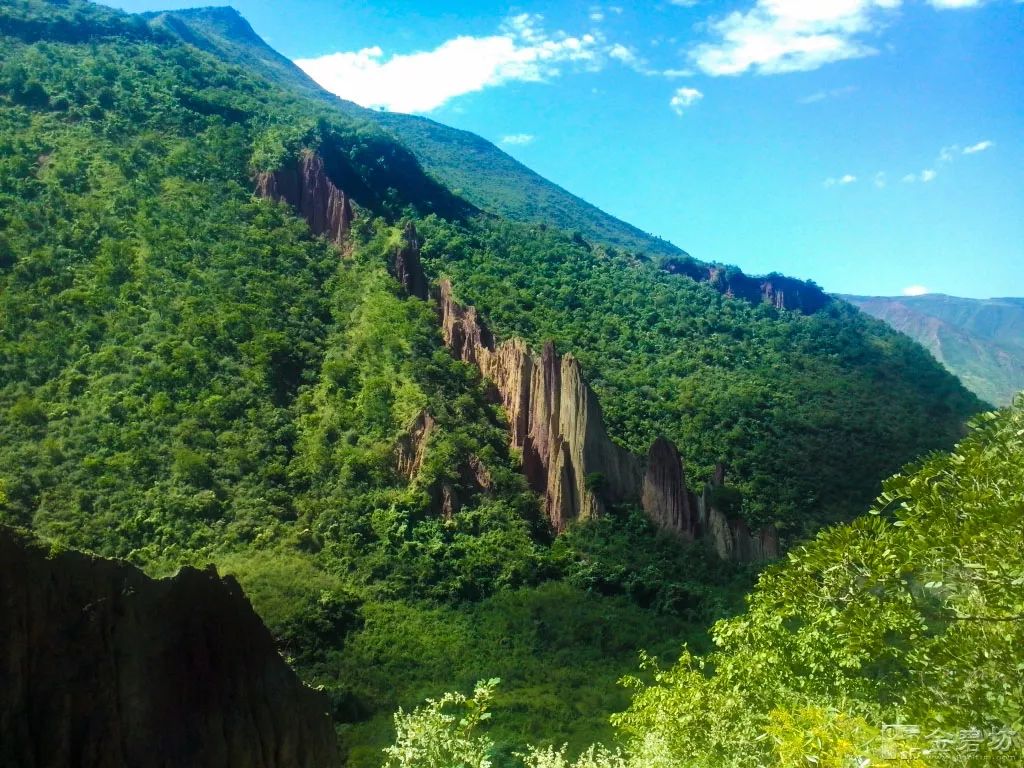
(469, 165)
(979, 340)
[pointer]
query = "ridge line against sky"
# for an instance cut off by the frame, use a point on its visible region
(870, 145)
(772, 37)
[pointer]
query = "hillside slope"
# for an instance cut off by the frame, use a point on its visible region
(188, 374)
(466, 163)
(979, 340)
(721, 398)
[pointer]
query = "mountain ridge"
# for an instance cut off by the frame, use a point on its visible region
(190, 374)
(979, 340)
(222, 28)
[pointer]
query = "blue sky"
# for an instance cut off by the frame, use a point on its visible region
(875, 146)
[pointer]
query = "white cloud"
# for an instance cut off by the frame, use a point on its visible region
(946, 154)
(829, 94)
(673, 73)
(597, 13)
(628, 57)
(684, 3)
(832, 181)
(925, 176)
(945, 4)
(915, 290)
(622, 53)
(420, 82)
(777, 36)
(683, 98)
(981, 146)
(518, 138)
(880, 180)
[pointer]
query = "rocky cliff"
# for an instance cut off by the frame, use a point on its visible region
(103, 667)
(554, 417)
(778, 290)
(304, 184)
(729, 535)
(665, 496)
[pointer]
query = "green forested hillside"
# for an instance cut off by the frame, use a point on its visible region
(807, 412)
(792, 406)
(892, 641)
(981, 341)
(466, 163)
(186, 376)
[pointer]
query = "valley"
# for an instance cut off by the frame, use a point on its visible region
(439, 421)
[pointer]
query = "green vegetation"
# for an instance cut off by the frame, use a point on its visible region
(808, 412)
(981, 341)
(467, 164)
(187, 376)
(892, 641)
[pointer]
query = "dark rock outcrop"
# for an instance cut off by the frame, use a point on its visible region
(406, 265)
(104, 667)
(304, 184)
(778, 290)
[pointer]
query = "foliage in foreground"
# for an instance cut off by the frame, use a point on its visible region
(896, 640)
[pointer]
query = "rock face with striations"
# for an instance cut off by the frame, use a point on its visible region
(554, 417)
(412, 446)
(304, 184)
(556, 421)
(665, 497)
(102, 666)
(732, 538)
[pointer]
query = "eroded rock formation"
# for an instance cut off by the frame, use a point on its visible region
(731, 537)
(406, 265)
(102, 666)
(410, 452)
(778, 290)
(665, 497)
(304, 184)
(555, 419)
(412, 446)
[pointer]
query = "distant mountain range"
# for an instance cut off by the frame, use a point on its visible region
(979, 340)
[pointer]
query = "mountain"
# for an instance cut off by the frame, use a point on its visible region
(981, 341)
(465, 163)
(241, 324)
